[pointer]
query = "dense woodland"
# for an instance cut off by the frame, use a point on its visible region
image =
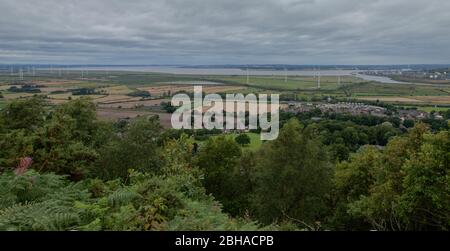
(340, 173)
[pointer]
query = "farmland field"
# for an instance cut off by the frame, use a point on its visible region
(129, 104)
(12, 96)
(166, 89)
(379, 89)
(435, 99)
(409, 99)
(428, 108)
(391, 99)
(116, 99)
(292, 83)
(116, 90)
(115, 114)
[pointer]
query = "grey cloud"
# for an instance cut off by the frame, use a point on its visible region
(224, 31)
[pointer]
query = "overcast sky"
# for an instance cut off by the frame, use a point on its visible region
(225, 31)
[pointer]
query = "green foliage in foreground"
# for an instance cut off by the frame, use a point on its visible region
(404, 187)
(92, 175)
(34, 201)
(293, 178)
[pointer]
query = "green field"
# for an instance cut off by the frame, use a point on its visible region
(255, 140)
(429, 108)
(432, 108)
(280, 83)
(379, 89)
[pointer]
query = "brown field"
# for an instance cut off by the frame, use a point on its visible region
(132, 104)
(116, 98)
(434, 99)
(160, 90)
(11, 96)
(57, 101)
(116, 90)
(412, 99)
(64, 97)
(234, 108)
(6, 87)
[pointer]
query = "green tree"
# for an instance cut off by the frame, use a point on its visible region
(136, 148)
(293, 178)
(425, 201)
(243, 139)
(28, 114)
(83, 114)
(408, 188)
(14, 145)
(58, 150)
(353, 179)
(219, 159)
(408, 123)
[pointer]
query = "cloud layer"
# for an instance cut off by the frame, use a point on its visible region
(225, 31)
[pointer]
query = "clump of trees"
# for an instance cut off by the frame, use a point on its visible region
(25, 89)
(167, 106)
(292, 178)
(243, 139)
(404, 187)
(85, 91)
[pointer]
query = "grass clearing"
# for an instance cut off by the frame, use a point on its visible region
(378, 89)
(443, 100)
(433, 108)
(255, 140)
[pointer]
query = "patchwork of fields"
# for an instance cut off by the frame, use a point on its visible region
(115, 92)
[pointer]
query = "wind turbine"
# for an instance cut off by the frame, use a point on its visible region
(285, 75)
(21, 74)
(318, 80)
(248, 76)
